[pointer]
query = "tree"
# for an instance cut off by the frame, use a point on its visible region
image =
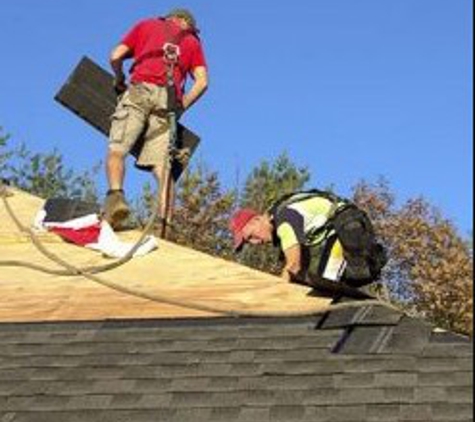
(142, 207)
(266, 184)
(271, 180)
(4, 154)
(202, 212)
(431, 266)
(45, 174)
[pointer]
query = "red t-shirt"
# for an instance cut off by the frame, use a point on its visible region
(146, 40)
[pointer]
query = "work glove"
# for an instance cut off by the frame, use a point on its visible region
(120, 86)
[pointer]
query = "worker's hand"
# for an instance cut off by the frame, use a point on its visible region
(120, 86)
(300, 279)
(286, 275)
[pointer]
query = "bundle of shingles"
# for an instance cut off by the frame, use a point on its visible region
(79, 222)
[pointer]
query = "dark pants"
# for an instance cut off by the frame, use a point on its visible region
(364, 256)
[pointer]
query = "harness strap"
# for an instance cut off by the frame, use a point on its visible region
(294, 197)
(338, 205)
(169, 40)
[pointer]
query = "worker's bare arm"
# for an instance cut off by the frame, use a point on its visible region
(293, 262)
(199, 87)
(117, 57)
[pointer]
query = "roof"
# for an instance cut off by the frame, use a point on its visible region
(171, 271)
(73, 350)
(353, 366)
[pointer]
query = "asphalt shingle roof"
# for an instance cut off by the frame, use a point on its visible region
(354, 365)
(367, 363)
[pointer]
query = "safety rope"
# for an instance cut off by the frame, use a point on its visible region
(159, 297)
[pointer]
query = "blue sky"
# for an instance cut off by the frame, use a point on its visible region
(350, 88)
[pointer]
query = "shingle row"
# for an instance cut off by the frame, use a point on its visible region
(222, 370)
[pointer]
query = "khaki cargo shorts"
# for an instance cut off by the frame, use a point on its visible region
(142, 112)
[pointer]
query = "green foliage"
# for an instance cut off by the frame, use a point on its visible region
(270, 180)
(4, 154)
(45, 174)
(143, 206)
(431, 266)
(202, 212)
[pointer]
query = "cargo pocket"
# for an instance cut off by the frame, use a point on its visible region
(119, 126)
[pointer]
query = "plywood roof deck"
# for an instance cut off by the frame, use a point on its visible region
(173, 271)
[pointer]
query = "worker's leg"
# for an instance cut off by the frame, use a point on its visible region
(326, 261)
(156, 154)
(327, 270)
(333, 265)
(115, 206)
(115, 167)
(128, 123)
(356, 234)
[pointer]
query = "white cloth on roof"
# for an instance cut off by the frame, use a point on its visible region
(93, 233)
(110, 245)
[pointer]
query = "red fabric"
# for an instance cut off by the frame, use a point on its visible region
(83, 236)
(146, 40)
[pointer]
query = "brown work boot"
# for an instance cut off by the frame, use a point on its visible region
(116, 209)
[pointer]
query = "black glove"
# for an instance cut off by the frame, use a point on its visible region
(120, 86)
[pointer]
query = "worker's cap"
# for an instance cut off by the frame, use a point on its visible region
(186, 15)
(237, 223)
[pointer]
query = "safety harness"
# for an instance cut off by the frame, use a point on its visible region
(349, 223)
(338, 204)
(170, 54)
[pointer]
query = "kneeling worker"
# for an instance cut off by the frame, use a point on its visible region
(321, 236)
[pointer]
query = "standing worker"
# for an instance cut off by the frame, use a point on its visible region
(165, 51)
(321, 235)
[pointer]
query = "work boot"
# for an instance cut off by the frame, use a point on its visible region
(116, 209)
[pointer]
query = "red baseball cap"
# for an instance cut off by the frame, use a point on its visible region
(238, 222)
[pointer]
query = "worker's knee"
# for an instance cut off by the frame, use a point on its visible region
(158, 174)
(116, 153)
(162, 172)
